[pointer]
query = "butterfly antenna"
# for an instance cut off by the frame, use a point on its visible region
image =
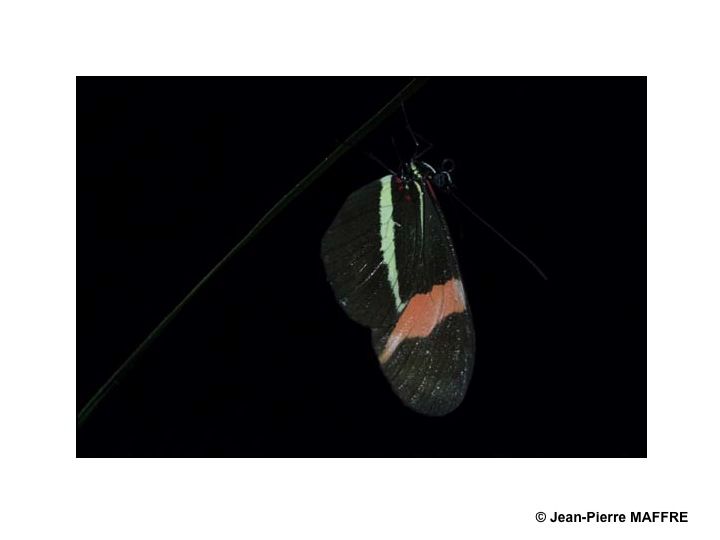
(493, 229)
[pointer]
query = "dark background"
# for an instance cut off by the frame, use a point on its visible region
(263, 362)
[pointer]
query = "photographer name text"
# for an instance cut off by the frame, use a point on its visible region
(633, 517)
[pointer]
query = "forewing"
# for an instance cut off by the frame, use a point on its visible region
(428, 354)
(361, 274)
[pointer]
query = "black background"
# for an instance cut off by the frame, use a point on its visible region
(263, 362)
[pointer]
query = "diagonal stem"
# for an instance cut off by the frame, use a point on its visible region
(359, 134)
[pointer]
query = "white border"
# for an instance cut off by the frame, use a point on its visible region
(46, 493)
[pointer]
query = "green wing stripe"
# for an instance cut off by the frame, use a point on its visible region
(387, 237)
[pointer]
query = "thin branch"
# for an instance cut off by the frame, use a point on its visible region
(359, 134)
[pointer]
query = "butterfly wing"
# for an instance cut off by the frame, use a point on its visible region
(364, 254)
(390, 260)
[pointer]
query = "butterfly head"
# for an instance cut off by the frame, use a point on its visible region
(420, 171)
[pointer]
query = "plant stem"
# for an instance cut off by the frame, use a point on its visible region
(301, 186)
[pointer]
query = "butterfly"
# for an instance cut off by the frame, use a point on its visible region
(390, 261)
